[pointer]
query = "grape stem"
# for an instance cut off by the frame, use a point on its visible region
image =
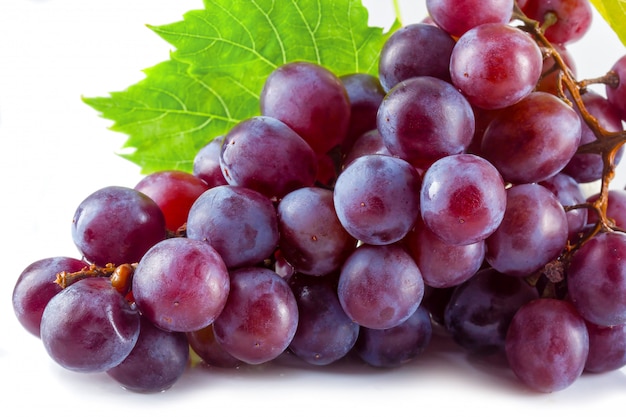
(606, 144)
(121, 276)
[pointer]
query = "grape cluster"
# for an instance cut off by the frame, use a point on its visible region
(357, 215)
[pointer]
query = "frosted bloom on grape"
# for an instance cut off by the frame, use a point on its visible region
(462, 199)
(495, 65)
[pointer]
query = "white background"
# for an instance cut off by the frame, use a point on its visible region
(56, 151)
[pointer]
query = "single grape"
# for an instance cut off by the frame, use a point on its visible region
(262, 153)
(442, 264)
(205, 345)
(479, 311)
(380, 286)
(365, 95)
(368, 143)
(551, 71)
(36, 286)
(547, 344)
(260, 318)
(616, 95)
(396, 346)
(206, 163)
(463, 199)
(458, 16)
(325, 333)
(312, 238)
(423, 119)
(572, 18)
(157, 361)
(311, 100)
(181, 284)
(569, 193)
(174, 192)
(533, 231)
(495, 65)
(533, 139)
(615, 207)
(376, 198)
(89, 326)
(240, 223)
(596, 279)
(415, 50)
(117, 225)
(607, 348)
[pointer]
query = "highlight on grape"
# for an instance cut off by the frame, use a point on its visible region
(357, 217)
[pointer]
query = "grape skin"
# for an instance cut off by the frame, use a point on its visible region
(89, 326)
(458, 16)
(181, 284)
(547, 344)
(607, 348)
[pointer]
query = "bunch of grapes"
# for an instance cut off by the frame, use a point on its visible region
(356, 215)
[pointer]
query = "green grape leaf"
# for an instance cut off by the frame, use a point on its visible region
(222, 56)
(614, 12)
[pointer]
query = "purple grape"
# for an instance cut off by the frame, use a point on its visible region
(607, 348)
(480, 310)
(542, 135)
(423, 119)
(117, 225)
(596, 279)
(36, 286)
(206, 163)
(365, 94)
(415, 50)
(533, 231)
(458, 16)
(369, 143)
(263, 154)
(569, 193)
(260, 318)
(89, 326)
(311, 100)
(380, 286)
(615, 209)
(495, 65)
(390, 348)
(376, 198)
(547, 344)
(240, 223)
(157, 361)
(181, 284)
(204, 344)
(463, 199)
(616, 95)
(573, 18)
(325, 333)
(312, 239)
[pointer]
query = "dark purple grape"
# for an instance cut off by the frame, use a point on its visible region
(390, 348)
(616, 95)
(240, 223)
(380, 286)
(325, 333)
(596, 279)
(615, 209)
(369, 143)
(376, 198)
(206, 163)
(312, 239)
(174, 192)
(117, 225)
(181, 284)
(607, 348)
(480, 310)
(264, 154)
(204, 344)
(547, 344)
(157, 361)
(569, 193)
(462, 199)
(36, 286)
(495, 65)
(260, 318)
(423, 119)
(311, 100)
(365, 94)
(533, 231)
(458, 16)
(89, 326)
(415, 50)
(542, 135)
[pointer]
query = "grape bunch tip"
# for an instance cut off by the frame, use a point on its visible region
(359, 217)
